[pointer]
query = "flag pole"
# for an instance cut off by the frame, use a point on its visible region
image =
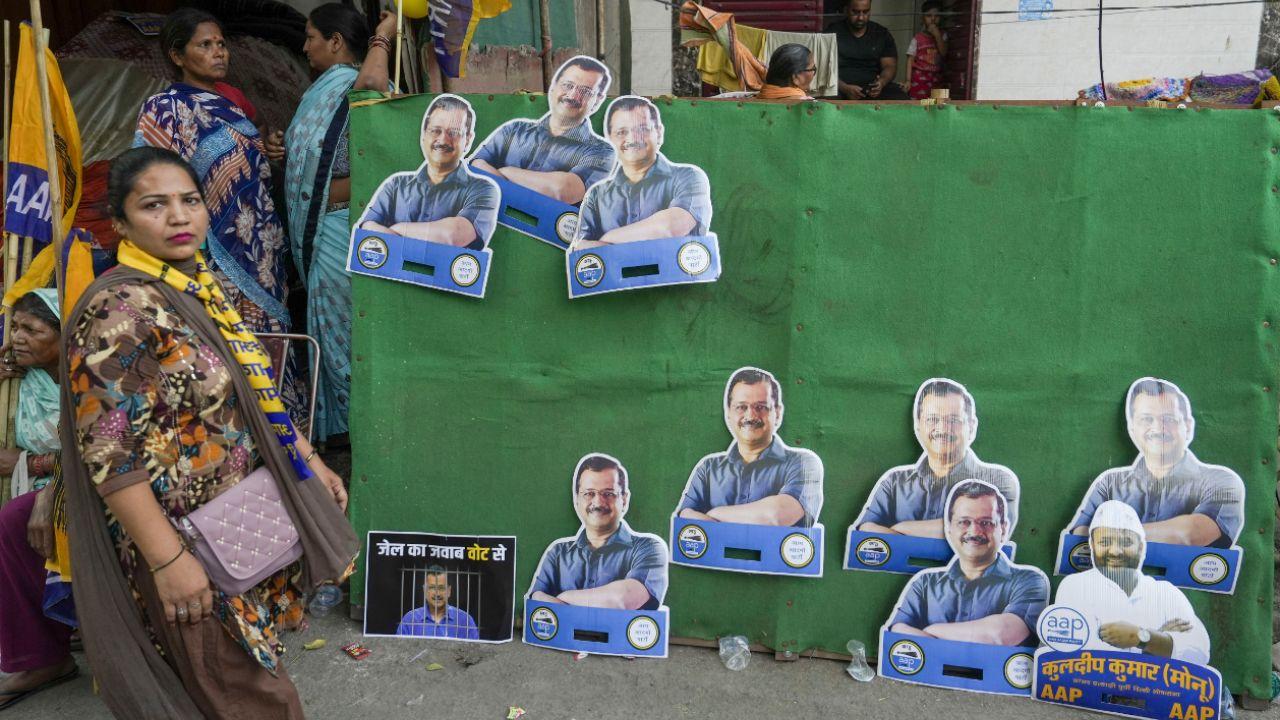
(399, 35)
(50, 148)
(10, 261)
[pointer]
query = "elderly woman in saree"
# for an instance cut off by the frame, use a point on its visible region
(36, 613)
(318, 188)
(199, 118)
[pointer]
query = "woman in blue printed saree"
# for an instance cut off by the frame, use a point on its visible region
(318, 190)
(246, 241)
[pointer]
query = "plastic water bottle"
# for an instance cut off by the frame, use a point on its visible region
(858, 668)
(734, 652)
(325, 598)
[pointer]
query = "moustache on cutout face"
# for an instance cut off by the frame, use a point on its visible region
(975, 539)
(442, 147)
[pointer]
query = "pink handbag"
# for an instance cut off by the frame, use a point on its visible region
(244, 535)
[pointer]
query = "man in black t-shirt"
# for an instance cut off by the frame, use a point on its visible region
(868, 56)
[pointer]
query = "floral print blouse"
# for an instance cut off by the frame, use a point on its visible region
(155, 404)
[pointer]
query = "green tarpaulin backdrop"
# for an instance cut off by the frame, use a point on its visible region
(1045, 257)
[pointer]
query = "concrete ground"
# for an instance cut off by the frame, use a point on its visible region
(481, 681)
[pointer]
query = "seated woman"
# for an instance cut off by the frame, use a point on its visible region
(791, 72)
(34, 648)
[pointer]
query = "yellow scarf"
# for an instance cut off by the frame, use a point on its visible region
(244, 346)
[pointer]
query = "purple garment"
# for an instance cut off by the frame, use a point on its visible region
(28, 639)
(1234, 89)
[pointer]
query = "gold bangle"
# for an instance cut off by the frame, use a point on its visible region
(307, 459)
(181, 549)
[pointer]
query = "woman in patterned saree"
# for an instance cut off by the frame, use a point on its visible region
(164, 410)
(318, 189)
(196, 118)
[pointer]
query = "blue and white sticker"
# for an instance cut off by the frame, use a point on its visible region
(907, 657)
(589, 271)
(643, 633)
(797, 550)
(1017, 670)
(1209, 569)
(544, 624)
(566, 226)
(372, 252)
(693, 257)
(465, 270)
(1081, 557)
(692, 542)
(873, 552)
(1063, 628)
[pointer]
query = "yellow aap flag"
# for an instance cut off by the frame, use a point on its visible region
(28, 211)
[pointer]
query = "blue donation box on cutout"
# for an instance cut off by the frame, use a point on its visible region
(1188, 566)
(534, 214)
(745, 548)
(600, 631)
(899, 553)
(950, 663)
(646, 263)
(1126, 683)
(419, 262)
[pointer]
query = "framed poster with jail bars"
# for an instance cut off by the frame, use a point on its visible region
(455, 587)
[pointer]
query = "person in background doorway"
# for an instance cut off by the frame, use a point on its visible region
(868, 56)
(924, 55)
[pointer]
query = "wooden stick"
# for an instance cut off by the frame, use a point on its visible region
(399, 34)
(600, 30)
(10, 251)
(544, 10)
(50, 147)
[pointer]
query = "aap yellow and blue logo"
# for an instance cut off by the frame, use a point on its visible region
(906, 657)
(692, 542)
(589, 271)
(543, 623)
(372, 252)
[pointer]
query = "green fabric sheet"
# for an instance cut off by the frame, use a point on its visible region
(1044, 257)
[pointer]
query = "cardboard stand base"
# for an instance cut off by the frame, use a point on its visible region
(419, 262)
(1188, 566)
(900, 553)
(534, 214)
(747, 548)
(647, 263)
(599, 631)
(1123, 683)
(1005, 670)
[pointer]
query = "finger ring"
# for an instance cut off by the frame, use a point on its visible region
(195, 605)
(182, 611)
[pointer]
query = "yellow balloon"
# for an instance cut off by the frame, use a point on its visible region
(415, 9)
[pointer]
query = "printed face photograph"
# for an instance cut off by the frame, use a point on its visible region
(752, 415)
(976, 528)
(446, 137)
(636, 135)
(1115, 549)
(575, 93)
(600, 501)
(1158, 427)
(942, 426)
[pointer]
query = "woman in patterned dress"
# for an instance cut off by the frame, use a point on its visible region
(161, 421)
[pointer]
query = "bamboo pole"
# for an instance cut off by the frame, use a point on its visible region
(10, 250)
(544, 10)
(50, 147)
(600, 30)
(399, 35)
